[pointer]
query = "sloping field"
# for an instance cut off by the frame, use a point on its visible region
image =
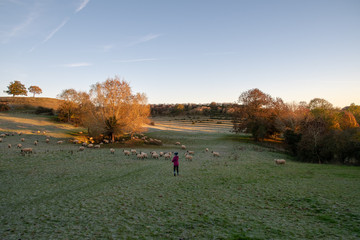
(21, 102)
(59, 192)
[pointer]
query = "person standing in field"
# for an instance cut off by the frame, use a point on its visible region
(175, 160)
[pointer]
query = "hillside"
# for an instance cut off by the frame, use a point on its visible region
(21, 102)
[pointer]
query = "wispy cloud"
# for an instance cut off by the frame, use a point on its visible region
(144, 39)
(48, 37)
(138, 60)
(81, 64)
(19, 28)
(82, 5)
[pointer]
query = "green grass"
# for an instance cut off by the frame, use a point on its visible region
(59, 193)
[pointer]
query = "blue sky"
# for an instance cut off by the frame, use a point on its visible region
(185, 51)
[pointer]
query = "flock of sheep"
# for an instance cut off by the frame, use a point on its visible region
(189, 155)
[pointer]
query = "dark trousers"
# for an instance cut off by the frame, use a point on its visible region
(176, 168)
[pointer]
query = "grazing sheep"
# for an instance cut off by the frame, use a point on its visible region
(26, 150)
(190, 152)
(155, 155)
(280, 161)
(126, 152)
(2, 135)
(90, 145)
(36, 142)
(139, 156)
(188, 157)
(97, 146)
(112, 151)
(9, 145)
(81, 148)
(133, 151)
(75, 141)
(1, 139)
(60, 142)
(183, 147)
(177, 143)
(84, 144)
(206, 149)
(215, 154)
(106, 141)
(161, 154)
(22, 139)
(47, 140)
(167, 156)
(19, 145)
(144, 155)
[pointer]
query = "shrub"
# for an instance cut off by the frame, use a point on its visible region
(4, 107)
(44, 110)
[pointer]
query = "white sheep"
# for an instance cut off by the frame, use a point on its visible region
(1, 139)
(215, 154)
(144, 155)
(177, 143)
(206, 149)
(81, 148)
(19, 145)
(47, 140)
(97, 146)
(2, 135)
(190, 152)
(139, 156)
(167, 155)
(112, 151)
(106, 141)
(183, 147)
(155, 155)
(280, 161)
(90, 145)
(9, 145)
(26, 150)
(22, 139)
(133, 151)
(126, 152)
(60, 142)
(188, 157)
(36, 142)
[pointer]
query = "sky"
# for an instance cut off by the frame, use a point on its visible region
(185, 51)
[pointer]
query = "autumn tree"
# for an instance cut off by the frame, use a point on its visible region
(35, 90)
(16, 88)
(116, 110)
(257, 114)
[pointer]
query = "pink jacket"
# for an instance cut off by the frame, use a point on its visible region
(175, 160)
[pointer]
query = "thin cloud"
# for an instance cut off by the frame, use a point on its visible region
(146, 38)
(82, 5)
(20, 27)
(55, 30)
(81, 64)
(137, 60)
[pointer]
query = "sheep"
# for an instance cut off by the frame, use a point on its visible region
(190, 152)
(183, 147)
(139, 156)
(81, 148)
(188, 157)
(19, 146)
(106, 141)
(22, 139)
(60, 142)
(97, 146)
(167, 156)
(133, 151)
(280, 161)
(26, 150)
(90, 145)
(161, 154)
(177, 143)
(9, 145)
(112, 151)
(126, 152)
(47, 140)
(75, 141)
(215, 154)
(84, 144)
(144, 155)
(36, 142)
(155, 155)
(206, 149)
(1, 139)
(2, 135)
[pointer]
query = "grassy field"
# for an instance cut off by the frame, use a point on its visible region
(25, 103)
(60, 193)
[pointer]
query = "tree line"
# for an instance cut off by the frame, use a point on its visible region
(314, 132)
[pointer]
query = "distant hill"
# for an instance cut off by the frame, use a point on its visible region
(30, 102)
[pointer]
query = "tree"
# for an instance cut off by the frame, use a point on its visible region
(16, 88)
(257, 114)
(35, 90)
(116, 110)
